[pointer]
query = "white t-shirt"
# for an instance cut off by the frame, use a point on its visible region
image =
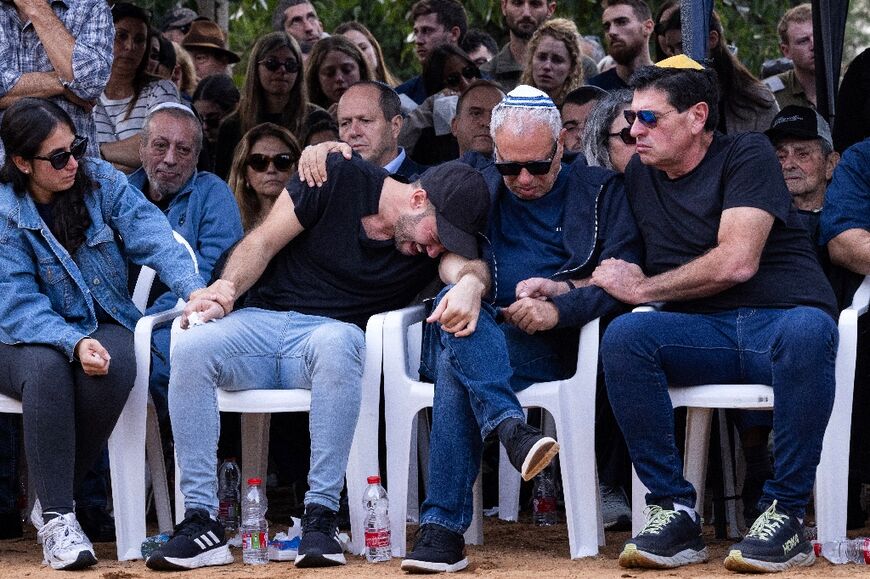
(113, 124)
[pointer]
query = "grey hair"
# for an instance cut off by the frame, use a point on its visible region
(179, 112)
(596, 140)
(521, 119)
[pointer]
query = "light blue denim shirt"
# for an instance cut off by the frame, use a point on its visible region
(46, 297)
(206, 214)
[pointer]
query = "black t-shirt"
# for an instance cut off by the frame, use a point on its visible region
(608, 80)
(332, 268)
(679, 221)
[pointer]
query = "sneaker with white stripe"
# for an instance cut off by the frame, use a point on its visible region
(198, 541)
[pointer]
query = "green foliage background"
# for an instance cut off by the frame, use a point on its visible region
(749, 24)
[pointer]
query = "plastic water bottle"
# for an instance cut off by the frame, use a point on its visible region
(229, 478)
(255, 529)
(847, 551)
(377, 522)
(544, 499)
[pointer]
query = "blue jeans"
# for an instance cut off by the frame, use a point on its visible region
(475, 381)
(261, 349)
(792, 350)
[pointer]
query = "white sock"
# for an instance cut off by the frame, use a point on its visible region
(685, 509)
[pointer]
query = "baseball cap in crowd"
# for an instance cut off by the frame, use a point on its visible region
(178, 18)
(461, 200)
(207, 35)
(800, 122)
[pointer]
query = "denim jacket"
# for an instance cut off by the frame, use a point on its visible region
(46, 296)
(206, 214)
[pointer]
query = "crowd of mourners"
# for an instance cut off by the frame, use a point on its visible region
(565, 177)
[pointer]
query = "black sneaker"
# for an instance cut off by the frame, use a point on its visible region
(198, 541)
(527, 448)
(670, 538)
(436, 550)
(319, 546)
(775, 542)
(97, 524)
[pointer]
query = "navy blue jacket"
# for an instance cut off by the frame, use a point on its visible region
(596, 197)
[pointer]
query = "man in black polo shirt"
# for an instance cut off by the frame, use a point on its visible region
(745, 301)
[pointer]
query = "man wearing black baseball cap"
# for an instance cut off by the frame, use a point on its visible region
(323, 261)
(802, 139)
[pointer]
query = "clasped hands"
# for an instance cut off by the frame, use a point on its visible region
(210, 303)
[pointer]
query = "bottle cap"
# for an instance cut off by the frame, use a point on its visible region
(255, 481)
(374, 480)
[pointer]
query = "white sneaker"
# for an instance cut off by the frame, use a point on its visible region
(65, 545)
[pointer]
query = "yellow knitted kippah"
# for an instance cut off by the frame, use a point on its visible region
(679, 61)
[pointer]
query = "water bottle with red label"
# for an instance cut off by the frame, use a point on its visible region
(377, 522)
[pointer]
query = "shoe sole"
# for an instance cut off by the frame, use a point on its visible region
(735, 561)
(417, 566)
(539, 457)
(319, 560)
(213, 557)
(632, 557)
(83, 561)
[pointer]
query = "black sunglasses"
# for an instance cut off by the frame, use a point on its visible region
(76, 150)
(260, 163)
(512, 168)
(649, 119)
(273, 64)
(625, 135)
(470, 72)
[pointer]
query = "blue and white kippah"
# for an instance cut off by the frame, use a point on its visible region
(525, 96)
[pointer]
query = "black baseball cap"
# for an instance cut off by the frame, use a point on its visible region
(800, 122)
(461, 200)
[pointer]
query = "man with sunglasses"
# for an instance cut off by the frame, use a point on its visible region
(62, 52)
(745, 301)
(176, 23)
(199, 206)
(542, 235)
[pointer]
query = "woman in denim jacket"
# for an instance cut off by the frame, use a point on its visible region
(67, 227)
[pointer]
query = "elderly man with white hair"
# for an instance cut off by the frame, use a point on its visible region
(543, 244)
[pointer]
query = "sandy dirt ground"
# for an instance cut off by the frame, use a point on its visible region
(511, 550)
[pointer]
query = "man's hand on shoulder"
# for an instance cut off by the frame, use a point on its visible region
(621, 279)
(532, 315)
(312, 162)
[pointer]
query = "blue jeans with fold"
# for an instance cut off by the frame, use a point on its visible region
(263, 349)
(476, 378)
(793, 350)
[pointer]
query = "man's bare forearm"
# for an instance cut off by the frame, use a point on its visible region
(32, 84)
(851, 249)
(56, 39)
(247, 262)
(454, 267)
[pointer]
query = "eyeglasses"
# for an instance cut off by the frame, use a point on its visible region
(470, 72)
(260, 163)
(649, 119)
(76, 150)
(185, 28)
(512, 168)
(625, 135)
(273, 64)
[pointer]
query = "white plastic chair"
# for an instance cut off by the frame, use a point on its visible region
(571, 402)
(257, 405)
(832, 471)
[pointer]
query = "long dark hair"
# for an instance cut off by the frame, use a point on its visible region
(25, 126)
(121, 10)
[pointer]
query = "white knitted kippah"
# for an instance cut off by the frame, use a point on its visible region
(525, 96)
